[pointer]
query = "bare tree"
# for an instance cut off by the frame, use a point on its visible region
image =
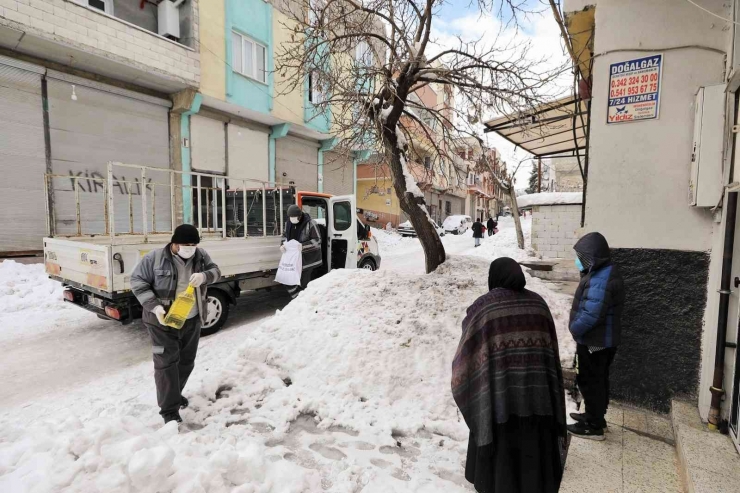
(367, 65)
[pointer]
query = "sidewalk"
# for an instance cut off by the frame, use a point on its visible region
(638, 455)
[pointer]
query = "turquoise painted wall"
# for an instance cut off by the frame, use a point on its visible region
(252, 18)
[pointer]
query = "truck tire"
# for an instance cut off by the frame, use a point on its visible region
(218, 311)
(368, 264)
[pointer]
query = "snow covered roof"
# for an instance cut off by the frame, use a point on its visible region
(551, 198)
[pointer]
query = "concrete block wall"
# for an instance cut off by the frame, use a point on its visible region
(555, 229)
(86, 29)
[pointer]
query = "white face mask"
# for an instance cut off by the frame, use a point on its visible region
(295, 220)
(186, 251)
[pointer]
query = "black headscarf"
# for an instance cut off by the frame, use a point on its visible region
(506, 273)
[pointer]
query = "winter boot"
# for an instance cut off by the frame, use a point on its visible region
(173, 416)
(584, 429)
(183, 402)
(582, 418)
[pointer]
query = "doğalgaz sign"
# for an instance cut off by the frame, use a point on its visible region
(634, 90)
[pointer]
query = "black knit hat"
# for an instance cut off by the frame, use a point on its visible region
(186, 234)
(294, 211)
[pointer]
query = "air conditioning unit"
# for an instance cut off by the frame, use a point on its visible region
(168, 15)
(705, 181)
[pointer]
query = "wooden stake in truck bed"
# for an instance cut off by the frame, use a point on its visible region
(241, 222)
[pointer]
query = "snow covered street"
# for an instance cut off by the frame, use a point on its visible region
(38, 328)
(345, 389)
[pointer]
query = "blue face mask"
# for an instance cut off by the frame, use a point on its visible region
(579, 265)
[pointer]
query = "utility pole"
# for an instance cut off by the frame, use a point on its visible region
(539, 175)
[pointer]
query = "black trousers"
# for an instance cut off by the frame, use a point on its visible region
(593, 381)
(174, 353)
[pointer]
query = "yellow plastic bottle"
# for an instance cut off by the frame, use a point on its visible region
(180, 309)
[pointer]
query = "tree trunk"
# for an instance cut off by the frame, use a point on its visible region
(434, 250)
(517, 220)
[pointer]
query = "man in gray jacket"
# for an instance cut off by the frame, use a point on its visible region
(156, 281)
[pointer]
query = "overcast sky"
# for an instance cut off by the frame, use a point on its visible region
(463, 18)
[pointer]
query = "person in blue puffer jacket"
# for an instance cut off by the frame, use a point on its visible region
(596, 326)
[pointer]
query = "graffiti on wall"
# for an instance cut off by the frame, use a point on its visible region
(94, 182)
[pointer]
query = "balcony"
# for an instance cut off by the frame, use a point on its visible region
(476, 187)
(114, 38)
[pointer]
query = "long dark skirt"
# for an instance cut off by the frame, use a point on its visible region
(526, 456)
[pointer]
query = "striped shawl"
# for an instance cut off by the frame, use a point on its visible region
(507, 363)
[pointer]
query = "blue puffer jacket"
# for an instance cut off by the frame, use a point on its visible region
(596, 315)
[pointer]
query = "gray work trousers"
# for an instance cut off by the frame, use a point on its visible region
(174, 353)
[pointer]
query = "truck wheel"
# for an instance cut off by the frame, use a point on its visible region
(218, 312)
(368, 264)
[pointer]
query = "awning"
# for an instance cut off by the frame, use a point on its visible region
(556, 129)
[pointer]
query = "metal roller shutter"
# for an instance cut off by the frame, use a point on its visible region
(208, 146)
(98, 125)
(248, 154)
(297, 161)
(23, 159)
(339, 174)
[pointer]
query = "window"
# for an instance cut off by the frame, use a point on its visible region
(363, 54)
(248, 57)
(342, 216)
(448, 207)
(316, 94)
(427, 162)
(101, 5)
(388, 191)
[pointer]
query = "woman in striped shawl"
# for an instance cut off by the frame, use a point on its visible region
(508, 384)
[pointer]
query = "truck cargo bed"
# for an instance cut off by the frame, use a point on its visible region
(104, 264)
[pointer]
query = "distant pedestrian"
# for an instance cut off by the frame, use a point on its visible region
(490, 225)
(508, 383)
(156, 281)
(596, 326)
(478, 230)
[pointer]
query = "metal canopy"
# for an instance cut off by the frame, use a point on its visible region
(556, 129)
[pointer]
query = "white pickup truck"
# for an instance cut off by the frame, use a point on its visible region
(241, 228)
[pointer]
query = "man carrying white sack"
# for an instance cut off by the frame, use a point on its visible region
(301, 228)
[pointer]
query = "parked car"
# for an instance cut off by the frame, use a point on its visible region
(407, 229)
(457, 224)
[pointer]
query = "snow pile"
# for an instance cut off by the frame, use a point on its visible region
(549, 198)
(27, 286)
(376, 359)
(31, 303)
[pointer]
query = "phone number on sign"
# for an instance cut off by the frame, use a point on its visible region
(633, 85)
